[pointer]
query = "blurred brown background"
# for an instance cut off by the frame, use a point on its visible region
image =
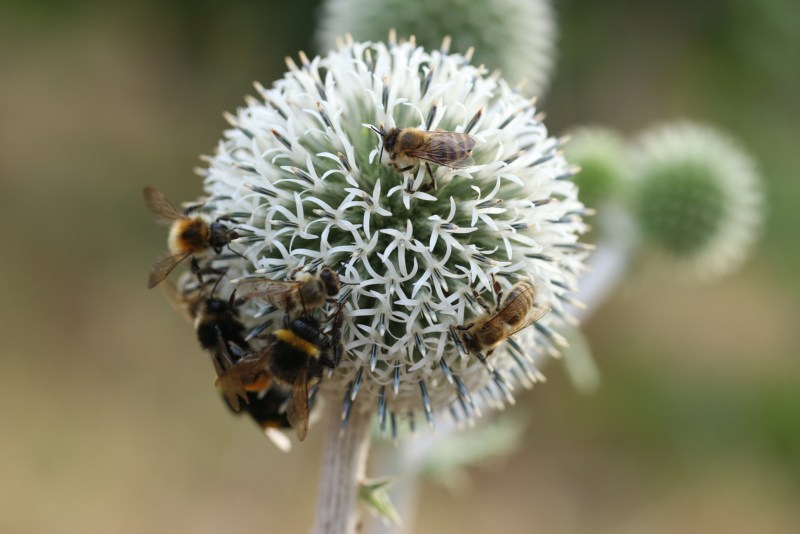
(109, 422)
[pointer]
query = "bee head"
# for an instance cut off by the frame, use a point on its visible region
(215, 306)
(390, 139)
(470, 343)
(330, 280)
(221, 235)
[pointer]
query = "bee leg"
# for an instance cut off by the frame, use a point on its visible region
(236, 253)
(483, 360)
(327, 362)
(409, 181)
(432, 184)
(480, 301)
(498, 293)
(195, 268)
(336, 335)
(302, 303)
(465, 327)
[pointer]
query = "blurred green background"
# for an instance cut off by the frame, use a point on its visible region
(109, 421)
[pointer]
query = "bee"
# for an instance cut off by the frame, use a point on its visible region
(518, 310)
(188, 236)
(299, 295)
(408, 146)
(295, 355)
(240, 376)
(221, 334)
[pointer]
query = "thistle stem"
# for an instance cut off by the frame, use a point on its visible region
(343, 467)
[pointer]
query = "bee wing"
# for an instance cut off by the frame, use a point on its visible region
(164, 210)
(164, 265)
(298, 410)
(502, 316)
(236, 380)
(177, 300)
(535, 313)
(273, 291)
(451, 149)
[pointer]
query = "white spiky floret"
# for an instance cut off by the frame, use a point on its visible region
(299, 169)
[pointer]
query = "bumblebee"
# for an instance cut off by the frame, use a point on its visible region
(518, 310)
(407, 147)
(295, 356)
(188, 236)
(221, 334)
(300, 295)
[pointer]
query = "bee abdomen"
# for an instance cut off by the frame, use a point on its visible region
(189, 235)
(292, 341)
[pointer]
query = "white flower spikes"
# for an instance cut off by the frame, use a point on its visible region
(300, 167)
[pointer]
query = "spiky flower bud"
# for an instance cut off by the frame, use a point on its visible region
(300, 172)
(698, 197)
(515, 36)
(600, 152)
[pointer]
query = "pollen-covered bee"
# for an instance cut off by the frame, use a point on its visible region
(187, 235)
(295, 355)
(516, 311)
(408, 146)
(300, 295)
(221, 334)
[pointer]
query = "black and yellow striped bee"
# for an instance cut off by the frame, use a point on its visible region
(222, 335)
(295, 356)
(188, 236)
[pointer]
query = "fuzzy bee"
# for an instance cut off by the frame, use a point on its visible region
(188, 236)
(221, 334)
(300, 295)
(294, 356)
(407, 147)
(518, 310)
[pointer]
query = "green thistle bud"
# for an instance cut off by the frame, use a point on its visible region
(515, 36)
(600, 153)
(697, 197)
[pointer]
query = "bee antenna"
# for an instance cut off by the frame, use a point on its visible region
(228, 246)
(380, 130)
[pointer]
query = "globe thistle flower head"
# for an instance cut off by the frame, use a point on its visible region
(698, 197)
(600, 152)
(515, 36)
(301, 169)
